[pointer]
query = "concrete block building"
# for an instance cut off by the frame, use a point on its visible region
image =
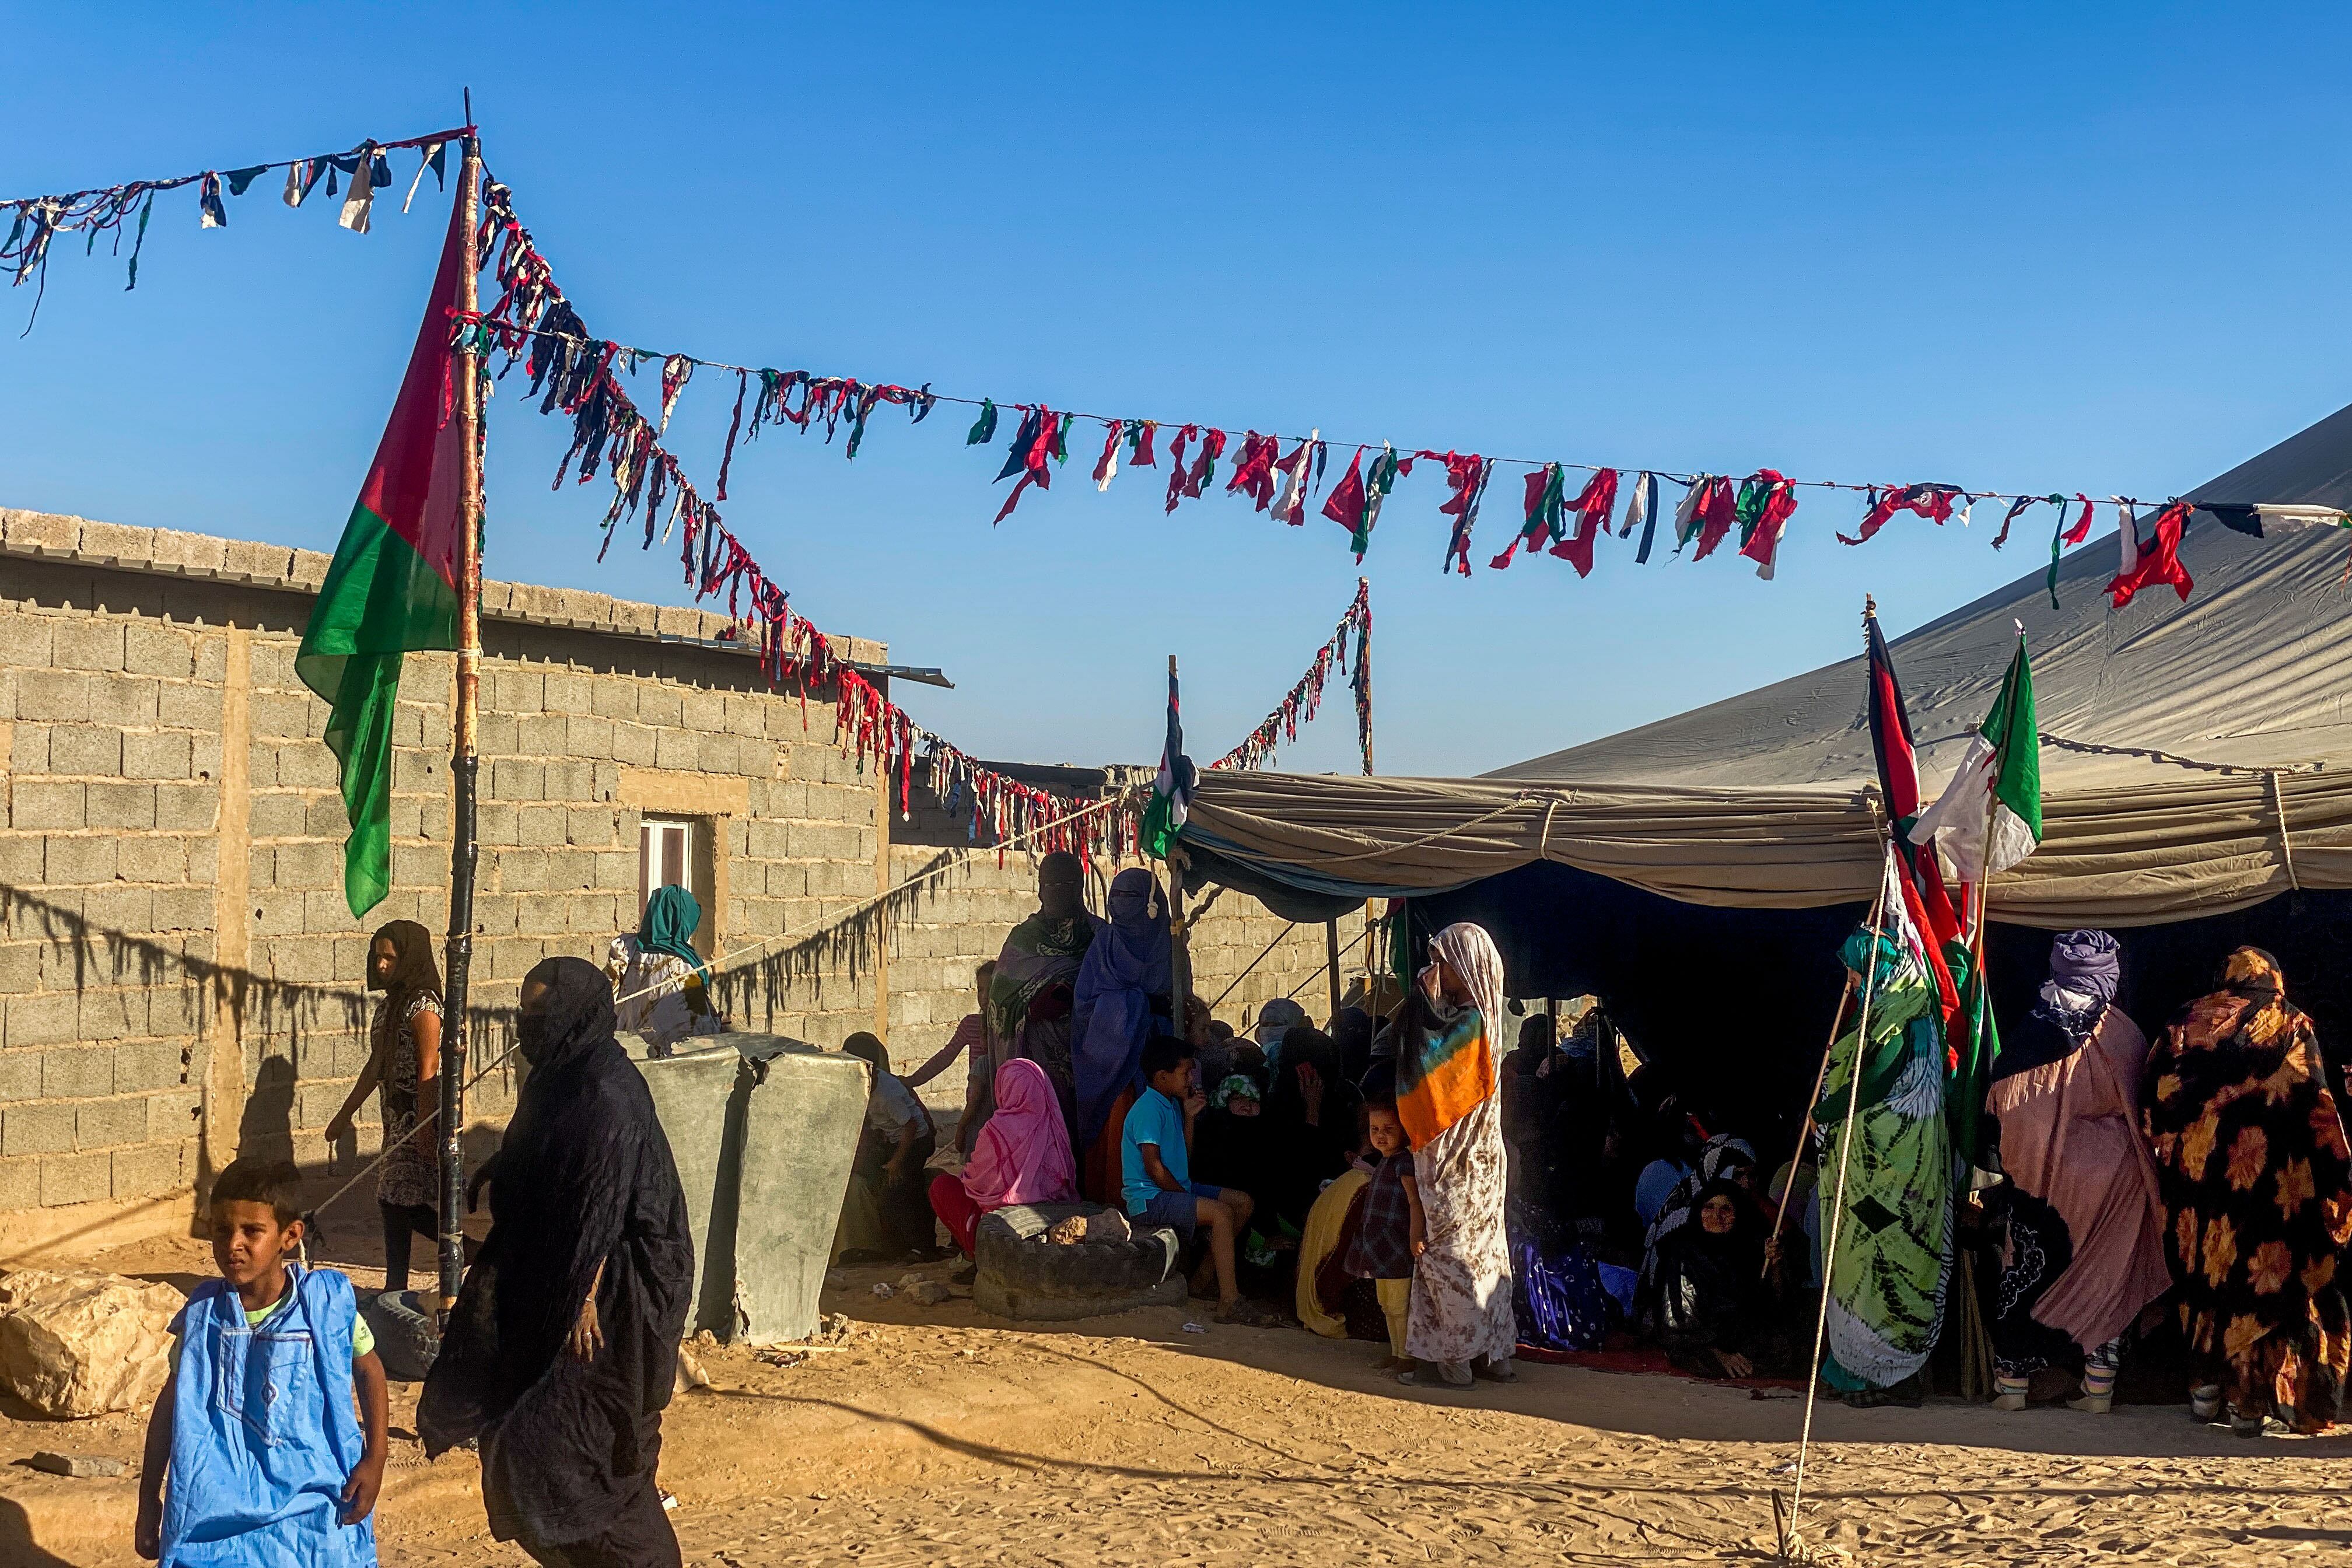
(179, 977)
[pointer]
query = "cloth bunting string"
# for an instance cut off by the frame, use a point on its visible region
(535, 326)
(36, 222)
(1301, 703)
(1283, 475)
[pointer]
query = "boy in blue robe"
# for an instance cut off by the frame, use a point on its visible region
(267, 1445)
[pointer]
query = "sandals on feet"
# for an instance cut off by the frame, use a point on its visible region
(1437, 1374)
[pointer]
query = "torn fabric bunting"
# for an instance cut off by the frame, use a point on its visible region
(1643, 508)
(1592, 506)
(1933, 502)
(2009, 521)
(1543, 523)
(1031, 456)
(983, 429)
(1204, 465)
(1686, 514)
(1345, 505)
(2063, 536)
(432, 160)
(2127, 537)
(1253, 468)
(1176, 471)
(1290, 500)
(359, 203)
(2158, 559)
(1717, 514)
(1767, 501)
(2082, 529)
(210, 213)
(676, 370)
(1106, 466)
(735, 423)
(1466, 474)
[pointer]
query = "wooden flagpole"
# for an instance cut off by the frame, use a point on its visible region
(1180, 965)
(465, 764)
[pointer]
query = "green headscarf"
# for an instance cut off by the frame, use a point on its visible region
(1235, 1086)
(671, 915)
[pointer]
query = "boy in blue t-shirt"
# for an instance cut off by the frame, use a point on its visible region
(1156, 1171)
(270, 1457)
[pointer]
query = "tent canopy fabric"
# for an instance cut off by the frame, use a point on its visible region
(2192, 761)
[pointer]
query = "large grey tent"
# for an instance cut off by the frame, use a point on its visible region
(2198, 792)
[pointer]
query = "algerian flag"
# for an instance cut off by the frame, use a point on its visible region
(392, 586)
(1996, 794)
(1171, 792)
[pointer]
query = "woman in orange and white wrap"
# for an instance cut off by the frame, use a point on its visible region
(1449, 1097)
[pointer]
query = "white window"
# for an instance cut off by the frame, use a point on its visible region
(665, 854)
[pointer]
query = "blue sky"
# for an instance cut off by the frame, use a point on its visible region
(2085, 248)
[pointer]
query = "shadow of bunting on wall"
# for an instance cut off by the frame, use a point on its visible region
(105, 956)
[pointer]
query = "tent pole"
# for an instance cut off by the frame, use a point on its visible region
(1180, 966)
(1331, 955)
(465, 764)
(1789, 1538)
(1821, 1076)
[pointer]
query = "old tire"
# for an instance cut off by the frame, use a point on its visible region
(406, 1338)
(1023, 1275)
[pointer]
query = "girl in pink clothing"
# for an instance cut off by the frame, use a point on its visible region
(1022, 1156)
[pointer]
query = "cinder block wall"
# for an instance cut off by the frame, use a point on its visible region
(180, 978)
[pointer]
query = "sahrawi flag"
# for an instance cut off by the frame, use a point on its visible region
(1171, 792)
(393, 587)
(1990, 816)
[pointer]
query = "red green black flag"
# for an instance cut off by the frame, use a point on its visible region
(393, 588)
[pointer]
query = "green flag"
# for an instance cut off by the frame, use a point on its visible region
(1171, 792)
(392, 586)
(1990, 816)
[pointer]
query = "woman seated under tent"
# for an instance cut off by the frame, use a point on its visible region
(1717, 1300)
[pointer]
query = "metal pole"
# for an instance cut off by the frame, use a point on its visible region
(1364, 672)
(1331, 955)
(464, 764)
(1180, 966)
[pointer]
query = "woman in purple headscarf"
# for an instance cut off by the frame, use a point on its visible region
(1122, 999)
(2083, 1248)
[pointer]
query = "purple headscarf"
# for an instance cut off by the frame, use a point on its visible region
(2085, 967)
(1126, 965)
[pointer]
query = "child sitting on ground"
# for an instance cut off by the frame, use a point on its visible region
(1393, 1231)
(1155, 1170)
(892, 1157)
(270, 1457)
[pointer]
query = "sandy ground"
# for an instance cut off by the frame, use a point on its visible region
(934, 1436)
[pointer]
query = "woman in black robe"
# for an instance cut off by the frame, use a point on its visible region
(1716, 1306)
(563, 1348)
(1310, 1120)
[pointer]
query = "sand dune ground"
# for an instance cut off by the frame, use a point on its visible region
(931, 1436)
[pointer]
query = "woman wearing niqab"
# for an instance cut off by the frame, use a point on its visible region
(563, 1349)
(1121, 999)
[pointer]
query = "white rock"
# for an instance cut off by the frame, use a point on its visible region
(78, 1342)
